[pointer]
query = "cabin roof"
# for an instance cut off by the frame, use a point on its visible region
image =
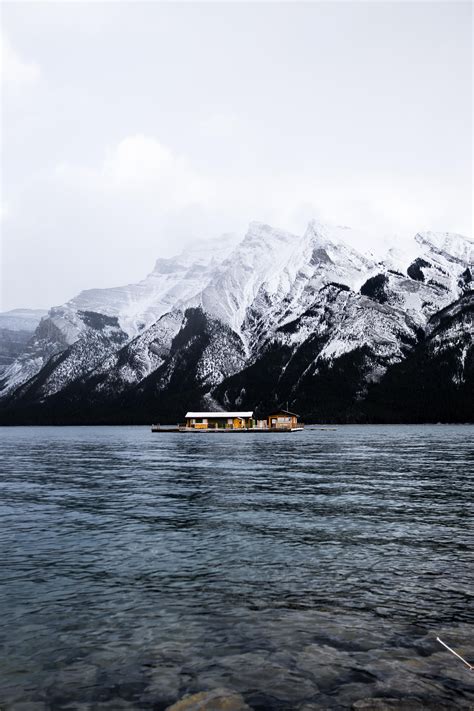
(282, 412)
(248, 413)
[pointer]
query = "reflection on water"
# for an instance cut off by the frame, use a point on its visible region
(307, 571)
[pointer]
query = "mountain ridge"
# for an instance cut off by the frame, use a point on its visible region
(327, 321)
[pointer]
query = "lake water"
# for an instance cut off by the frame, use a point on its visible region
(306, 571)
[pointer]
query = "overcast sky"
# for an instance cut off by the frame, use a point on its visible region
(132, 129)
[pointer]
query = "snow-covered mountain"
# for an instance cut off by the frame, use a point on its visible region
(275, 317)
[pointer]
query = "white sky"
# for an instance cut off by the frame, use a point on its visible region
(130, 129)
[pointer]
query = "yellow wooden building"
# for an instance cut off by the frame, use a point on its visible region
(220, 420)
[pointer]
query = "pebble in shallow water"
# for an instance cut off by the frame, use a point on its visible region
(220, 699)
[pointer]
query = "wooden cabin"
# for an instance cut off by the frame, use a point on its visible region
(220, 420)
(282, 419)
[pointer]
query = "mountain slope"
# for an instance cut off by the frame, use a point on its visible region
(198, 353)
(437, 377)
(321, 362)
(63, 367)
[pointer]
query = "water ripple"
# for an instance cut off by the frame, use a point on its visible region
(305, 571)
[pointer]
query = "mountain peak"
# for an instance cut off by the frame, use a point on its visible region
(202, 253)
(262, 231)
(323, 233)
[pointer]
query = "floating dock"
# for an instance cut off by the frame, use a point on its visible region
(279, 430)
(235, 421)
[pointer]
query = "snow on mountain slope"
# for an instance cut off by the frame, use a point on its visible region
(264, 255)
(435, 382)
(322, 258)
(343, 338)
(100, 334)
(172, 282)
(426, 277)
(344, 320)
(453, 327)
(447, 246)
(203, 353)
(138, 358)
(273, 275)
(447, 253)
(47, 340)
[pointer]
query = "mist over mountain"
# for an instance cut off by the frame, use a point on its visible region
(256, 322)
(16, 329)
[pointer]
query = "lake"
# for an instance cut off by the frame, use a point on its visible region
(310, 570)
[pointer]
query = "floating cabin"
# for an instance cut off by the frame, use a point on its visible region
(282, 419)
(279, 421)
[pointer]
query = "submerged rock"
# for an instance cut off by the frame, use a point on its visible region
(164, 684)
(77, 680)
(258, 673)
(115, 705)
(330, 667)
(322, 704)
(215, 700)
(406, 704)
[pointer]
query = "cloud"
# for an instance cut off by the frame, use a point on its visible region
(165, 187)
(105, 222)
(13, 69)
(141, 168)
(143, 163)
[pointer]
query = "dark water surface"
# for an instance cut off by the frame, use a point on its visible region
(306, 571)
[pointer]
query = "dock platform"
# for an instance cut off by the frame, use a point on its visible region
(222, 430)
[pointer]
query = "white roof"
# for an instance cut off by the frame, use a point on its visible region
(248, 413)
